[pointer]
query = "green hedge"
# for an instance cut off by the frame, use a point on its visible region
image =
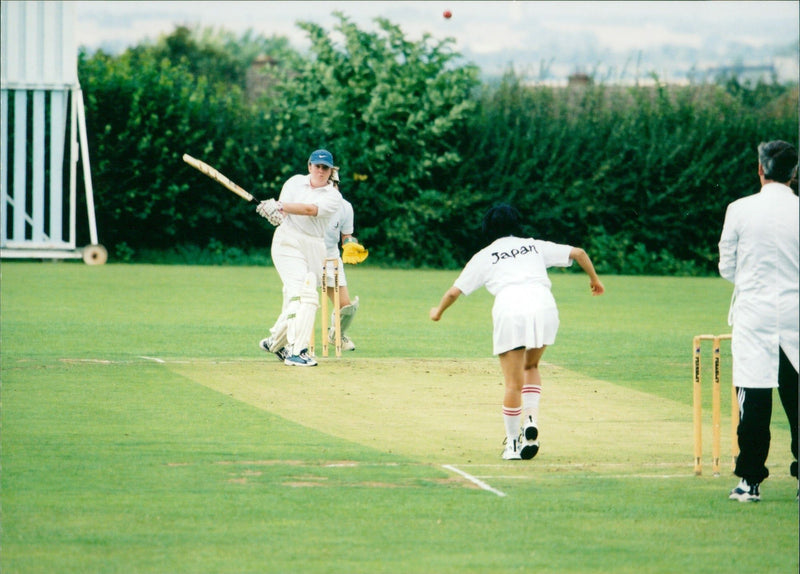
(639, 176)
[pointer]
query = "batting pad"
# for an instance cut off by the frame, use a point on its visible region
(301, 323)
(279, 334)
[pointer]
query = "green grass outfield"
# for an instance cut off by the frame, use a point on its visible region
(143, 431)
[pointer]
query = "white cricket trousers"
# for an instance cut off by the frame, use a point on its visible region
(294, 255)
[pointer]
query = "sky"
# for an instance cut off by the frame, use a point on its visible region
(610, 40)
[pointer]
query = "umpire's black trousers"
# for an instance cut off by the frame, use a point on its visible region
(755, 413)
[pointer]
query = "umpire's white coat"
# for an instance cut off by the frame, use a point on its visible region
(758, 252)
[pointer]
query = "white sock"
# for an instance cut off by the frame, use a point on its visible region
(512, 418)
(530, 401)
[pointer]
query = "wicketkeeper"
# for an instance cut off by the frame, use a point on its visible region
(303, 213)
(353, 252)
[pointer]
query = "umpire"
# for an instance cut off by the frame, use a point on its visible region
(758, 253)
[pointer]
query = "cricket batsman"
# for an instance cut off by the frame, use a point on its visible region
(306, 204)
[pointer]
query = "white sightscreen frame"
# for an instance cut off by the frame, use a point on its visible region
(38, 73)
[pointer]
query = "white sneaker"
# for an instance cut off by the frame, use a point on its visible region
(511, 451)
(745, 492)
(301, 360)
(308, 357)
(529, 429)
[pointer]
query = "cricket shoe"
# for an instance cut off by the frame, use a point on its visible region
(529, 429)
(265, 344)
(308, 357)
(745, 492)
(511, 451)
(529, 449)
(301, 360)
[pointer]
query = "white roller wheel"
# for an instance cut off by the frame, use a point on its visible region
(95, 255)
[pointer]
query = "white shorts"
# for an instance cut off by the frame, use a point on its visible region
(524, 316)
(329, 272)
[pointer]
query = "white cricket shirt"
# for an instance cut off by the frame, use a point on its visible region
(512, 261)
(297, 189)
(514, 270)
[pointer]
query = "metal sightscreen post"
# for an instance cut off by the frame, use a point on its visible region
(87, 170)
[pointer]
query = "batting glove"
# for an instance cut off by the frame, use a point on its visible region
(271, 210)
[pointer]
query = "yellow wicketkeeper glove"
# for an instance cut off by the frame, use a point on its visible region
(352, 251)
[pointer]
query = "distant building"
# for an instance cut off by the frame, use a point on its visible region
(264, 73)
(259, 80)
(579, 79)
(766, 73)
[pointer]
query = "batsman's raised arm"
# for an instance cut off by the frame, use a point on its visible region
(308, 209)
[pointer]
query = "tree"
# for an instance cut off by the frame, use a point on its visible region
(392, 111)
(149, 106)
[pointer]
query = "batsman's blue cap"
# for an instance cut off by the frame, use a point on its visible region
(321, 156)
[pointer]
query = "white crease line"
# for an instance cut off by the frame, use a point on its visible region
(156, 359)
(589, 466)
(591, 476)
(474, 480)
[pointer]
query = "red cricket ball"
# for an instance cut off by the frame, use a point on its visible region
(447, 14)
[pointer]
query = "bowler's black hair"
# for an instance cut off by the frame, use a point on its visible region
(501, 220)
